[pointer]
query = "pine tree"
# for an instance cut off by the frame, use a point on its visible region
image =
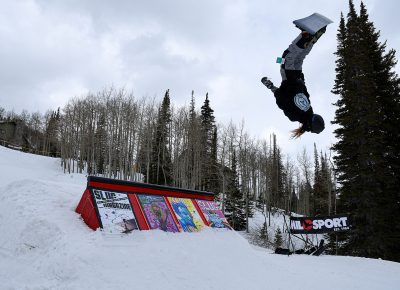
(317, 190)
(367, 151)
(278, 241)
(320, 189)
(235, 204)
(209, 152)
(161, 164)
(51, 134)
(326, 179)
(215, 183)
(277, 176)
(2, 113)
(100, 144)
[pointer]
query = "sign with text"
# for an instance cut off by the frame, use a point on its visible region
(319, 225)
(115, 211)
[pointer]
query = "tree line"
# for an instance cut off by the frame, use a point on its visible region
(113, 134)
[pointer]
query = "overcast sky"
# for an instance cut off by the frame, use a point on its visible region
(51, 51)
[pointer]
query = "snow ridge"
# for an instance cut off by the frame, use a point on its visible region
(45, 245)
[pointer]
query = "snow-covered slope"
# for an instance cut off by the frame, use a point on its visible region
(45, 245)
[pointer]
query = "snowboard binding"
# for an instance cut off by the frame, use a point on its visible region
(312, 28)
(314, 38)
(307, 38)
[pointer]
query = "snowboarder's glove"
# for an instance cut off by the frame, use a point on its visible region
(269, 84)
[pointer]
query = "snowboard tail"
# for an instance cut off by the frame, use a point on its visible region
(313, 23)
(321, 248)
(319, 251)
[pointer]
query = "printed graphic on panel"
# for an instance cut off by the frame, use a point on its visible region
(187, 214)
(115, 211)
(157, 213)
(213, 214)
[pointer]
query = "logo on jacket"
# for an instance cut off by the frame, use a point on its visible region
(302, 102)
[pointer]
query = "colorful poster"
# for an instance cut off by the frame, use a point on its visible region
(115, 211)
(157, 213)
(213, 214)
(187, 214)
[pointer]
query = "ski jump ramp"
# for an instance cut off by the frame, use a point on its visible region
(118, 206)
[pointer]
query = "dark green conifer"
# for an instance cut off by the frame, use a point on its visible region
(235, 207)
(161, 164)
(367, 151)
(210, 180)
(278, 241)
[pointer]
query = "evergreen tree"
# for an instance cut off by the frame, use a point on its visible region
(209, 152)
(317, 185)
(235, 204)
(51, 134)
(326, 180)
(277, 176)
(2, 113)
(368, 155)
(320, 194)
(161, 164)
(278, 241)
(100, 144)
(215, 183)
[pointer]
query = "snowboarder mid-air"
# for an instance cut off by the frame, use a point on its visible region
(292, 96)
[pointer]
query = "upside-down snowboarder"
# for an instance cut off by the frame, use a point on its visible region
(292, 96)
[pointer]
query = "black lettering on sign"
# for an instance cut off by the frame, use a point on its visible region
(104, 195)
(97, 194)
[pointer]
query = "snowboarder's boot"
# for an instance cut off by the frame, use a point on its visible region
(311, 38)
(269, 84)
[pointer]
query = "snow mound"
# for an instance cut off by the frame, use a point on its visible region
(45, 245)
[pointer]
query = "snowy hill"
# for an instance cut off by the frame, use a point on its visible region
(45, 245)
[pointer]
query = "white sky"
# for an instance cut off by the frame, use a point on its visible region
(51, 51)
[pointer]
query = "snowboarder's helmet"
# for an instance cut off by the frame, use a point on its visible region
(317, 124)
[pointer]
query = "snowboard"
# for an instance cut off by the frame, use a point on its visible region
(321, 248)
(319, 251)
(313, 23)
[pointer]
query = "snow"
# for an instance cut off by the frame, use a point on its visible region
(45, 245)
